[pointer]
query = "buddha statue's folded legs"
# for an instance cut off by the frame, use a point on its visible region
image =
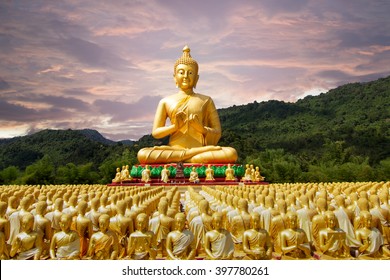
(205, 154)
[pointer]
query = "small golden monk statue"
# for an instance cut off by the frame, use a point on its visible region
(165, 174)
(84, 228)
(145, 175)
(123, 226)
(42, 225)
(239, 224)
(256, 241)
(194, 177)
(218, 243)
(294, 242)
(371, 239)
(209, 173)
(65, 244)
(142, 244)
(27, 244)
(195, 128)
(258, 177)
(248, 174)
(103, 244)
(118, 176)
(333, 240)
(161, 225)
(229, 173)
(180, 243)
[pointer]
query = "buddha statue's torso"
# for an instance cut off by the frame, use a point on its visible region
(198, 104)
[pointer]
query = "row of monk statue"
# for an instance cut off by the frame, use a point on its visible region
(275, 221)
(252, 174)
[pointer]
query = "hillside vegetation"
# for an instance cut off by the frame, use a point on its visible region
(341, 135)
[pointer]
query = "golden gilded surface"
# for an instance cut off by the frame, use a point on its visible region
(194, 129)
(198, 221)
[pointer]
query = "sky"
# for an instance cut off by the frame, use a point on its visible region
(104, 65)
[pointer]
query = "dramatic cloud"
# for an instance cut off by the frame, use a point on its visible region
(105, 64)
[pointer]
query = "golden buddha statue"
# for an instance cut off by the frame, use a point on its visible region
(65, 244)
(240, 223)
(94, 214)
(258, 177)
(201, 224)
(333, 240)
(248, 174)
(142, 244)
(42, 225)
(229, 173)
(294, 242)
(118, 176)
(27, 244)
(218, 243)
(256, 241)
(195, 127)
(278, 224)
(161, 225)
(103, 244)
(180, 243)
(84, 228)
(194, 177)
(145, 175)
(209, 173)
(371, 239)
(165, 174)
(123, 226)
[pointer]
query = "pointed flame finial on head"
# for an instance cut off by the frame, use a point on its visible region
(186, 51)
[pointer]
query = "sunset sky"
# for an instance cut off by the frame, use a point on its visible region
(105, 64)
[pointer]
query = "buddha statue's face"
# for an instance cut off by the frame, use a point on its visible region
(64, 223)
(104, 224)
(217, 222)
(186, 76)
(180, 222)
(367, 220)
(27, 223)
(292, 220)
(255, 221)
(331, 220)
(141, 223)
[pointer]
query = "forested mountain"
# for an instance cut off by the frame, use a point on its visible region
(64, 146)
(343, 134)
(357, 114)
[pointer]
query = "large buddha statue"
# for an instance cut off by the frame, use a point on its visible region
(194, 128)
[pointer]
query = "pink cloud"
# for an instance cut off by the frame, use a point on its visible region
(94, 64)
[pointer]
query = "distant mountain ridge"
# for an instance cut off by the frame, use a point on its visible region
(356, 114)
(76, 146)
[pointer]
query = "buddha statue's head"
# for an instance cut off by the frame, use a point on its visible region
(65, 222)
(366, 219)
(217, 220)
(292, 220)
(185, 72)
(27, 222)
(255, 220)
(141, 222)
(330, 219)
(180, 221)
(104, 222)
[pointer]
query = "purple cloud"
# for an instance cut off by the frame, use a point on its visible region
(89, 64)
